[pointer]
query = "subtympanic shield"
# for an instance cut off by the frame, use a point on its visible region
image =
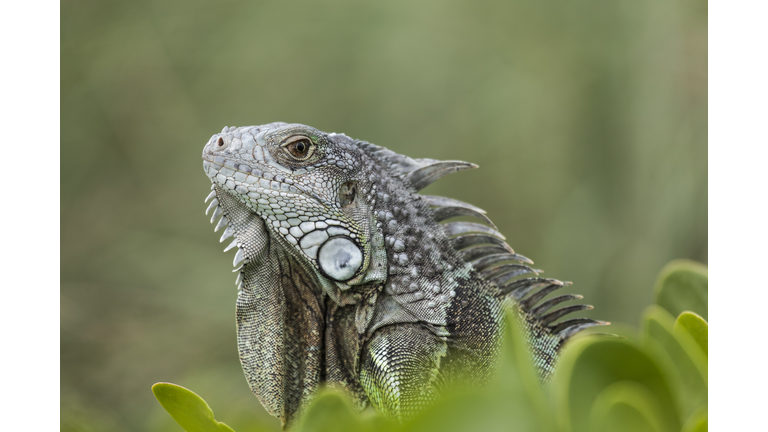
(340, 258)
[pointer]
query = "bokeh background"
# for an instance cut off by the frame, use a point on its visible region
(588, 119)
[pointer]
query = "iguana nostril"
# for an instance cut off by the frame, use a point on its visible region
(220, 144)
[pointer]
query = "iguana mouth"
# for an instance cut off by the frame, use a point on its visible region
(247, 170)
(255, 178)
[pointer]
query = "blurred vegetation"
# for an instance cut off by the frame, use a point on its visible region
(654, 381)
(588, 119)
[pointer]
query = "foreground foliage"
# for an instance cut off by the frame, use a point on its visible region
(653, 380)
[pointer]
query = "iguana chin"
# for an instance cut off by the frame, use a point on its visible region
(348, 277)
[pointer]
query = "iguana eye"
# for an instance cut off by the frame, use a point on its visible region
(300, 147)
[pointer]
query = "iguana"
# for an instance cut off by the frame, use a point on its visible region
(348, 277)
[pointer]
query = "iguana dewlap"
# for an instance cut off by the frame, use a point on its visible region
(347, 276)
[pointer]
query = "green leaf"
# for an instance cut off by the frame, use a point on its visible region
(590, 365)
(625, 406)
(686, 356)
(696, 327)
(697, 422)
(187, 408)
(330, 411)
(682, 286)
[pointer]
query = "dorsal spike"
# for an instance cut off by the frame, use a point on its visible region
(547, 305)
(405, 165)
(570, 327)
(536, 297)
(520, 288)
(555, 315)
(422, 162)
(501, 274)
(491, 260)
(457, 228)
(494, 272)
(468, 240)
(438, 201)
(478, 252)
(443, 213)
(426, 175)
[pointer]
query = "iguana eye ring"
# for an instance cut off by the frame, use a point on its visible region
(299, 147)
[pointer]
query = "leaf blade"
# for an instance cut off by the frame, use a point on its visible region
(682, 286)
(589, 365)
(690, 363)
(696, 327)
(627, 406)
(189, 410)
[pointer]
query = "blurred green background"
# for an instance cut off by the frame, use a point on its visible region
(588, 119)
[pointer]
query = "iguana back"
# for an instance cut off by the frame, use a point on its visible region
(349, 277)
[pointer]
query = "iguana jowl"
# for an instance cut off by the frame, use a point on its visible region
(347, 276)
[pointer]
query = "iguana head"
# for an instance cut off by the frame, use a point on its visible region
(312, 190)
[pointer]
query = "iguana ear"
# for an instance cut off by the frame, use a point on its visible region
(279, 318)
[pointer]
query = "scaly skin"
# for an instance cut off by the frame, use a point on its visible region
(349, 278)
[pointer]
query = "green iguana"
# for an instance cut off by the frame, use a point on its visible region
(348, 277)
